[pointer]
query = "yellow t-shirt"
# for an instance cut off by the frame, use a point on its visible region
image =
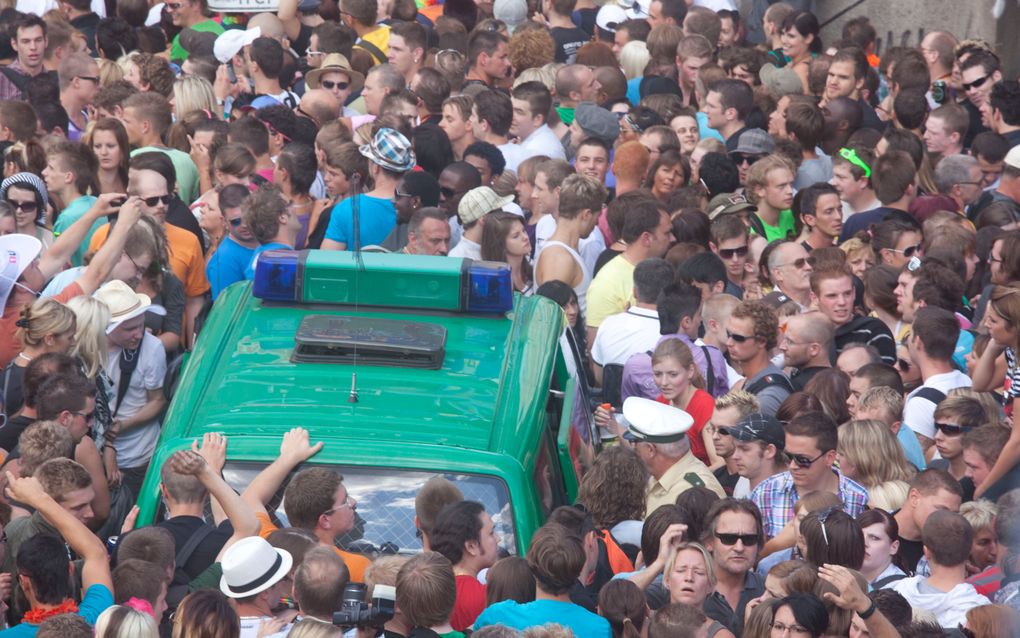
(611, 292)
(381, 39)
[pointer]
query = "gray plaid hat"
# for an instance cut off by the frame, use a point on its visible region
(597, 122)
(391, 150)
(755, 142)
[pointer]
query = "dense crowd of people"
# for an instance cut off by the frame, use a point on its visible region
(789, 270)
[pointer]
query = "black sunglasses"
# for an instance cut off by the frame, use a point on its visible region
(92, 78)
(730, 253)
(749, 540)
(330, 85)
(740, 158)
(737, 338)
(975, 84)
(237, 221)
(804, 461)
(800, 262)
(951, 429)
(158, 199)
(908, 251)
(28, 207)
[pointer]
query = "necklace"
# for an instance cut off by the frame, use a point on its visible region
(129, 355)
(22, 355)
(36, 616)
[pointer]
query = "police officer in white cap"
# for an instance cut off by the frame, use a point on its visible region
(659, 434)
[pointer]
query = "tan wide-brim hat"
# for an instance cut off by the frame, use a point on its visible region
(124, 303)
(335, 63)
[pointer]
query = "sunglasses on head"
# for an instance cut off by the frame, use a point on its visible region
(975, 84)
(158, 199)
(329, 85)
(740, 158)
(951, 429)
(749, 540)
(27, 207)
(804, 461)
(738, 338)
(822, 517)
(730, 253)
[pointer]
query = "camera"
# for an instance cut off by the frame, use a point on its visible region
(355, 612)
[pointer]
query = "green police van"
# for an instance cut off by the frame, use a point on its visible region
(406, 367)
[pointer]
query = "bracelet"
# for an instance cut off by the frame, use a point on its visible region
(869, 612)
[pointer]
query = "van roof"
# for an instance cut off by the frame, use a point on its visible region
(494, 379)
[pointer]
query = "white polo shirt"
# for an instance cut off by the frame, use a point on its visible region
(624, 334)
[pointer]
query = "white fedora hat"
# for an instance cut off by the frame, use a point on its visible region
(125, 303)
(252, 565)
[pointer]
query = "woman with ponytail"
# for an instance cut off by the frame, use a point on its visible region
(682, 386)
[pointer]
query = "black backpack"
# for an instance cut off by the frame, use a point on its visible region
(768, 381)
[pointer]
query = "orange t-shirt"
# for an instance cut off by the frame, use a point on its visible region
(9, 344)
(356, 563)
(186, 258)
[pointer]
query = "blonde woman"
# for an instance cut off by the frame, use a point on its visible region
(312, 628)
(193, 93)
(634, 58)
(859, 256)
(869, 453)
(690, 579)
(889, 496)
(44, 327)
(121, 621)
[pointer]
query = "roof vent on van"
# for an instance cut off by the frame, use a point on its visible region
(369, 341)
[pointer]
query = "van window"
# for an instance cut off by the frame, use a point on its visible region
(385, 504)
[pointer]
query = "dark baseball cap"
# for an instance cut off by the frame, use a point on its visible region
(758, 427)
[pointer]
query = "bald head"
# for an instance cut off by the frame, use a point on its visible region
(321, 105)
(271, 26)
(811, 327)
(938, 50)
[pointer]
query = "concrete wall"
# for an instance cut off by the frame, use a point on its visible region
(904, 22)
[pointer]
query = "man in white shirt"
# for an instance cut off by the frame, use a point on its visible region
(931, 344)
(531, 103)
(637, 328)
(473, 207)
(491, 118)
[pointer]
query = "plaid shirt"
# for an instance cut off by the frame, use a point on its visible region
(8, 91)
(776, 496)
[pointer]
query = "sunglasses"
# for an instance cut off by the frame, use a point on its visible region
(730, 253)
(91, 78)
(749, 540)
(737, 338)
(804, 461)
(822, 517)
(951, 429)
(740, 158)
(975, 84)
(27, 207)
(397, 194)
(329, 85)
(173, 6)
(237, 221)
(904, 365)
(851, 156)
(908, 251)
(34, 293)
(800, 262)
(158, 199)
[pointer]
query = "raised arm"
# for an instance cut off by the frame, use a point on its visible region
(240, 515)
(110, 252)
(55, 258)
(288, 15)
(852, 598)
(672, 537)
(96, 570)
(295, 449)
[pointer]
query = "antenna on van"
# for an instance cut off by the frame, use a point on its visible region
(359, 266)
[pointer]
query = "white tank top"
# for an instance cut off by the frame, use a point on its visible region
(581, 290)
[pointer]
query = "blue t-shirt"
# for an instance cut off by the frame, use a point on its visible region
(228, 264)
(582, 622)
(97, 600)
(377, 218)
(249, 270)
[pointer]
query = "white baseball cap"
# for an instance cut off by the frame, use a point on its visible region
(231, 41)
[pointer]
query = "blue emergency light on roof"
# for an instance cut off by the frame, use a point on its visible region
(383, 279)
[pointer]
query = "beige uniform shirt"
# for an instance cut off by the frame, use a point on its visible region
(685, 473)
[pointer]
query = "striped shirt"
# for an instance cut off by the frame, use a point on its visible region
(868, 331)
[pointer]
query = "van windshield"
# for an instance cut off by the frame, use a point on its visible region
(385, 504)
